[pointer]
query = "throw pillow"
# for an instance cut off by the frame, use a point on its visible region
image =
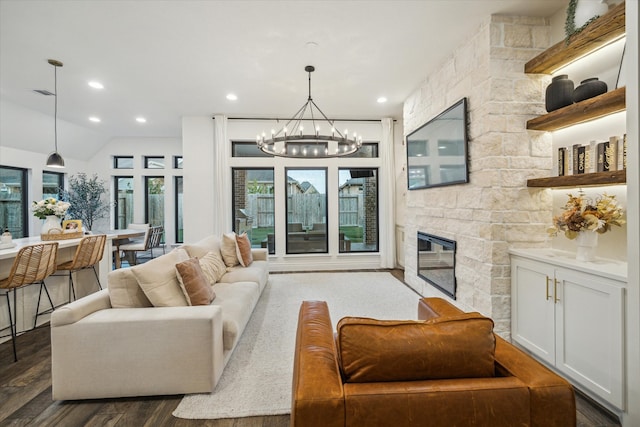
(124, 290)
(244, 249)
(461, 346)
(201, 247)
(213, 266)
(193, 282)
(158, 279)
(229, 249)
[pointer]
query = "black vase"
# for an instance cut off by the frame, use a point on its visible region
(588, 89)
(559, 93)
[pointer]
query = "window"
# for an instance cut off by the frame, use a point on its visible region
(154, 200)
(368, 150)
(246, 149)
(254, 207)
(358, 210)
(52, 184)
(123, 189)
(177, 162)
(123, 162)
(306, 210)
(13, 201)
(178, 207)
(152, 162)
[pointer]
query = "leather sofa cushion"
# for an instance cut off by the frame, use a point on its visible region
(372, 350)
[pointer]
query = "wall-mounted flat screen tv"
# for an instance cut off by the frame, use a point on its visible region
(437, 150)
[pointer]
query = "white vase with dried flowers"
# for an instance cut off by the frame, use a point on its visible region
(583, 219)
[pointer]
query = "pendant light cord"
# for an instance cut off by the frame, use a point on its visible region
(55, 106)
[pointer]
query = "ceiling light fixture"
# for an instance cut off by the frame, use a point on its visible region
(96, 85)
(382, 100)
(232, 97)
(141, 120)
(55, 160)
(291, 141)
(94, 119)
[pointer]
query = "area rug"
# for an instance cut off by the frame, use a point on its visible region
(257, 379)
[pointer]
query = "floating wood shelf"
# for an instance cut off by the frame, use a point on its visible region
(584, 111)
(583, 180)
(602, 31)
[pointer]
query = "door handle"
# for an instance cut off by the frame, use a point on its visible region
(555, 291)
(548, 297)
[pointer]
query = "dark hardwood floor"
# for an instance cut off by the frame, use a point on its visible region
(25, 398)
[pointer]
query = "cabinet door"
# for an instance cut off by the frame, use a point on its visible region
(532, 308)
(589, 333)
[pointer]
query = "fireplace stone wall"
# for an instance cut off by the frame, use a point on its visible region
(495, 210)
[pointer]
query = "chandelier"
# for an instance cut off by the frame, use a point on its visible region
(294, 140)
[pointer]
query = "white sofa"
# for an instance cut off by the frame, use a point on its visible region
(102, 351)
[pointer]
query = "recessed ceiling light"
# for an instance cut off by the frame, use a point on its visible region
(141, 120)
(382, 100)
(94, 119)
(96, 85)
(232, 97)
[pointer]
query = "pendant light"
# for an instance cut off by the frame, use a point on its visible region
(55, 160)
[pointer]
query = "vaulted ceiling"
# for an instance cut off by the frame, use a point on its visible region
(163, 60)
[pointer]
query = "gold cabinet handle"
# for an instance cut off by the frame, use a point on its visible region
(555, 291)
(547, 289)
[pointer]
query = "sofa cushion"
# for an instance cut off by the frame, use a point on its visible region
(193, 282)
(257, 272)
(372, 350)
(243, 245)
(229, 249)
(124, 291)
(158, 279)
(237, 301)
(213, 266)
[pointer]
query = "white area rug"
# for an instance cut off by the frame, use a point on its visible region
(257, 379)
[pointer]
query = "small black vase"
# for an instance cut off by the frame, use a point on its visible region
(559, 93)
(588, 89)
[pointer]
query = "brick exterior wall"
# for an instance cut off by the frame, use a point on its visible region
(495, 210)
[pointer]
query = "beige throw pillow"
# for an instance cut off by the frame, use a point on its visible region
(244, 250)
(213, 266)
(193, 283)
(158, 279)
(229, 249)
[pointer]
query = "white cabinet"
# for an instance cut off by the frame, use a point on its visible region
(571, 319)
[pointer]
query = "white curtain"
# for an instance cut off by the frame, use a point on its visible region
(222, 177)
(387, 194)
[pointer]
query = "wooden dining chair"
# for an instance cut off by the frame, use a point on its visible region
(88, 254)
(131, 249)
(32, 265)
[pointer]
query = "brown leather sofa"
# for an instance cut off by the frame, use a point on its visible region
(448, 369)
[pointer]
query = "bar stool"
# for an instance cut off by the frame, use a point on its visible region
(32, 265)
(88, 254)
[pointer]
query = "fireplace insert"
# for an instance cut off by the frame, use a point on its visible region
(437, 262)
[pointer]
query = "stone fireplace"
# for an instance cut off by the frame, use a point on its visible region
(494, 211)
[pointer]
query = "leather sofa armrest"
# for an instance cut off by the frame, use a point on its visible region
(317, 392)
(431, 308)
(260, 254)
(552, 397)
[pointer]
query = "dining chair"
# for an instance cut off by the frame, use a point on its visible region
(32, 265)
(136, 245)
(155, 241)
(88, 254)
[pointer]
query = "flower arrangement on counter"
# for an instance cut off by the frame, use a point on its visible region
(583, 214)
(48, 207)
